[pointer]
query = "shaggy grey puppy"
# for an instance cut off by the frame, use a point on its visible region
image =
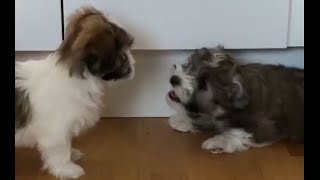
(247, 106)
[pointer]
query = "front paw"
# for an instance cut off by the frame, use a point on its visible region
(67, 171)
(180, 124)
(224, 144)
(214, 145)
(230, 141)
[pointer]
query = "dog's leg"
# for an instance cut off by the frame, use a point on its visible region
(181, 123)
(56, 154)
(76, 154)
(231, 141)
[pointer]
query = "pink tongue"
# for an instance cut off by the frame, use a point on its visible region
(174, 96)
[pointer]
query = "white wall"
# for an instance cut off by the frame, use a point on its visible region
(144, 95)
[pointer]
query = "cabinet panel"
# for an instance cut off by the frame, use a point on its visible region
(188, 24)
(38, 25)
(296, 27)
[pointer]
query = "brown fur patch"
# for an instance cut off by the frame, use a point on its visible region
(89, 33)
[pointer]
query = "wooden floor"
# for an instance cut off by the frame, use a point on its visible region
(148, 149)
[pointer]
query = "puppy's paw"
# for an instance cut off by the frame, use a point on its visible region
(76, 154)
(215, 145)
(67, 171)
(228, 142)
(181, 124)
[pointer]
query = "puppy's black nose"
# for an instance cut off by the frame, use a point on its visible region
(175, 80)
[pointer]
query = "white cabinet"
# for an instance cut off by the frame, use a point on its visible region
(188, 24)
(171, 24)
(38, 25)
(296, 26)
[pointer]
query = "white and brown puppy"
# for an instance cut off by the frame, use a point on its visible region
(59, 96)
(247, 106)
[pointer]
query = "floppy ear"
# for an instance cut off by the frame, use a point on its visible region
(236, 91)
(70, 57)
(71, 50)
(90, 39)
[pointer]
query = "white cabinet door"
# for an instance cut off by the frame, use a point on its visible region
(296, 27)
(188, 24)
(38, 25)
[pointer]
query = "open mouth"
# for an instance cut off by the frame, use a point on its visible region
(174, 97)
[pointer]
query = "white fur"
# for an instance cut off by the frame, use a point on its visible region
(132, 62)
(233, 140)
(181, 122)
(236, 80)
(187, 86)
(61, 108)
(218, 111)
(174, 105)
(217, 58)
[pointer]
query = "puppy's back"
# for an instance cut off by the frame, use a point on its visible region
(278, 92)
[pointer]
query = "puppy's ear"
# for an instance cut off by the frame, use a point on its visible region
(236, 92)
(71, 57)
(71, 50)
(90, 39)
